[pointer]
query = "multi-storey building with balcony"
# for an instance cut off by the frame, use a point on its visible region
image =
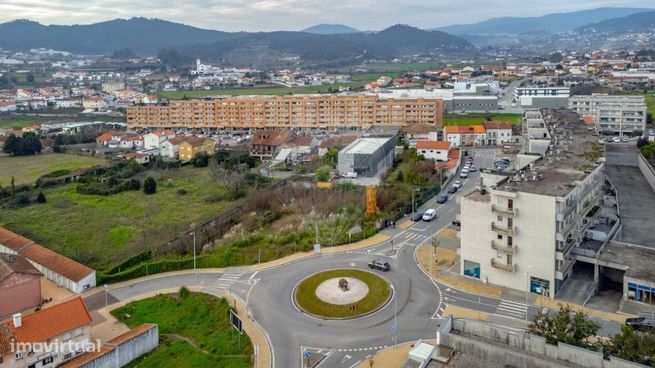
(521, 228)
(350, 111)
(613, 115)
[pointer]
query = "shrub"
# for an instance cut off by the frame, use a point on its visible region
(184, 292)
(134, 184)
(150, 185)
(41, 198)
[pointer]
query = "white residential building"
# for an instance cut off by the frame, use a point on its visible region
(613, 115)
(498, 133)
(170, 148)
(542, 97)
(433, 150)
(524, 228)
(155, 139)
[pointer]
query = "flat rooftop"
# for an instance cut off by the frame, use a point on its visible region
(637, 259)
(573, 153)
(367, 145)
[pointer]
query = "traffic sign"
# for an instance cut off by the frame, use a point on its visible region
(308, 354)
(393, 329)
(236, 322)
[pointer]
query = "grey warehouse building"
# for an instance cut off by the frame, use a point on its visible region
(370, 154)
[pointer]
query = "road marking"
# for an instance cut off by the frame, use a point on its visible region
(512, 309)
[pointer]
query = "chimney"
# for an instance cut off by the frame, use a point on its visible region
(18, 320)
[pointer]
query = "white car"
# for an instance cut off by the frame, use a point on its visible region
(457, 184)
(472, 168)
(464, 173)
(616, 140)
(430, 215)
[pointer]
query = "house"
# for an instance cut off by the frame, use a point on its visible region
(110, 137)
(94, 103)
(265, 144)
(452, 165)
(154, 139)
(170, 148)
(301, 147)
(7, 106)
(338, 142)
(191, 146)
(498, 132)
(69, 102)
(62, 271)
(20, 284)
(139, 157)
(47, 338)
(465, 135)
(433, 150)
(416, 132)
(132, 142)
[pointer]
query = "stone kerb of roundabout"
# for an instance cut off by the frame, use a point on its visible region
(342, 294)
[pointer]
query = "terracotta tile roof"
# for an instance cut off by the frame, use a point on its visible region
(195, 141)
(419, 128)
(131, 138)
(87, 358)
(425, 144)
(14, 263)
(300, 141)
(57, 263)
(497, 125)
(129, 335)
(342, 140)
(107, 136)
(52, 321)
(465, 129)
(454, 153)
(588, 120)
(53, 261)
(176, 140)
(271, 137)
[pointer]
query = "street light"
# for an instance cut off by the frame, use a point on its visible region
(105, 286)
(527, 291)
(194, 256)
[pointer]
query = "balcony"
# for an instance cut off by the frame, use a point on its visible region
(503, 211)
(503, 230)
(510, 249)
(502, 266)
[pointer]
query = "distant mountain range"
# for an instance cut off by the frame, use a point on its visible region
(179, 43)
(328, 29)
(634, 23)
(550, 23)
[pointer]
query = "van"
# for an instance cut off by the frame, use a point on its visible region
(430, 214)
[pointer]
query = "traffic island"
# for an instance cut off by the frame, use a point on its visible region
(342, 294)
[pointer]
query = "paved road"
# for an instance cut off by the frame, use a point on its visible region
(417, 306)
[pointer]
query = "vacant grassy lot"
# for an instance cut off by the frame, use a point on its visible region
(650, 101)
(26, 169)
(98, 230)
(379, 292)
(8, 121)
(272, 91)
(200, 318)
(473, 119)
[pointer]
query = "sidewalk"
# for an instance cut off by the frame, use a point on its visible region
(391, 357)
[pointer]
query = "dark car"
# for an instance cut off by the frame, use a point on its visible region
(452, 190)
(417, 216)
(377, 265)
(442, 199)
(457, 223)
(641, 323)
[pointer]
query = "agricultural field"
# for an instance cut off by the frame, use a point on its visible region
(26, 169)
(473, 119)
(186, 340)
(99, 230)
(400, 67)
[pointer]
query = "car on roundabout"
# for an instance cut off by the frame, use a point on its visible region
(379, 265)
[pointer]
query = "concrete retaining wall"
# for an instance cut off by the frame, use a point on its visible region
(648, 171)
(121, 354)
(517, 348)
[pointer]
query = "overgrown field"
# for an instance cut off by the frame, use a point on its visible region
(199, 318)
(26, 169)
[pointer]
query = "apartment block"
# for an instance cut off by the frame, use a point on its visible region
(302, 112)
(613, 115)
(542, 97)
(521, 228)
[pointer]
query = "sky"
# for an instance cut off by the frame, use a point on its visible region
(269, 15)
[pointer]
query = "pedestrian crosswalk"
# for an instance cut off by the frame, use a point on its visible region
(225, 281)
(512, 309)
(411, 237)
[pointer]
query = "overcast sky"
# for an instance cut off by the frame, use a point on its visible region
(267, 15)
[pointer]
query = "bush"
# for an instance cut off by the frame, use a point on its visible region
(134, 184)
(150, 185)
(184, 292)
(23, 200)
(41, 198)
(200, 160)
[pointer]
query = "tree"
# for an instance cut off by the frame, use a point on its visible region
(201, 159)
(331, 157)
(11, 145)
(573, 328)
(149, 185)
(41, 198)
(221, 155)
(30, 78)
(323, 173)
(631, 345)
(134, 184)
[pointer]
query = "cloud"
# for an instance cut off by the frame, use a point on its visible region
(265, 15)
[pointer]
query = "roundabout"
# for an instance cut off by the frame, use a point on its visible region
(342, 294)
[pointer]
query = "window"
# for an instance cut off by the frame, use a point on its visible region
(47, 360)
(78, 331)
(500, 237)
(67, 336)
(19, 355)
(68, 356)
(510, 204)
(500, 218)
(509, 240)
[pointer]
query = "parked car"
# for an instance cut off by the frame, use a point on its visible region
(472, 168)
(457, 184)
(457, 223)
(442, 199)
(452, 190)
(379, 265)
(625, 139)
(616, 140)
(430, 215)
(641, 323)
(417, 216)
(464, 173)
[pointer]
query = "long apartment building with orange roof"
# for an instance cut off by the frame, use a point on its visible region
(354, 111)
(465, 135)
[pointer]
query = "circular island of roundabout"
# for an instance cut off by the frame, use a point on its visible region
(342, 294)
